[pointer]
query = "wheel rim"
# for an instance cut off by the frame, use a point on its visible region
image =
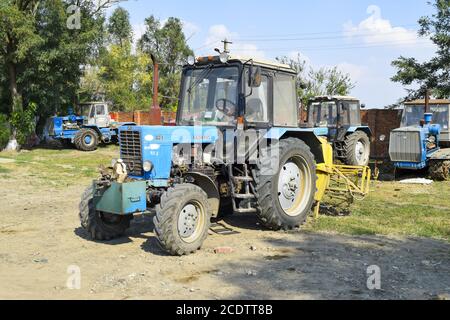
(88, 139)
(294, 182)
(360, 152)
(191, 221)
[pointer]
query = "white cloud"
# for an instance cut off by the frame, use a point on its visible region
(376, 30)
(356, 72)
(219, 32)
(190, 29)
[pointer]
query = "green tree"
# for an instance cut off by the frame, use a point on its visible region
(119, 27)
(321, 82)
(435, 73)
(168, 45)
(42, 57)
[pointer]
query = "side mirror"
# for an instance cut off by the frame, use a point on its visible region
(255, 77)
(363, 106)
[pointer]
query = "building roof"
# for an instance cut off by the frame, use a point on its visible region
(335, 98)
(432, 101)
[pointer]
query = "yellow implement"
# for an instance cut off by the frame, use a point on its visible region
(345, 183)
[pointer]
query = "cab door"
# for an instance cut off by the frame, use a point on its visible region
(101, 116)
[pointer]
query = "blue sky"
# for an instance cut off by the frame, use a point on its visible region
(360, 37)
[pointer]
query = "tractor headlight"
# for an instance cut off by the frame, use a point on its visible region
(191, 60)
(382, 138)
(148, 166)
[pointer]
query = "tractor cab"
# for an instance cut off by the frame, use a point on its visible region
(414, 111)
(95, 114)
(339, 119)
(227, 91)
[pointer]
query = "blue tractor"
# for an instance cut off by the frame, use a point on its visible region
(338, 118)
(86, 128)
(237, 148)
(423, 140)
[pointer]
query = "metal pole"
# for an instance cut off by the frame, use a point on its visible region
(427, 100)
(155, 81)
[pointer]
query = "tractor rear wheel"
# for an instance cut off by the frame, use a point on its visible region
(86, 140)
(357, 149)
(99, 225)
(182, 219)
(285, 193)
(440, 170)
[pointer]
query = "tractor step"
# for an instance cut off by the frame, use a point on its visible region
(222, 230)
(244, 196)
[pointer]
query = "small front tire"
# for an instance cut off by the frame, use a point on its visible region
(182, 219)
(357, 149)
(101, 226)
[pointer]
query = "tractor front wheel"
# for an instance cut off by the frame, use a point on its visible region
(285, 184)
(86, 140)
(357, 149)
(440, 170)
(101, 226)
(182, 219)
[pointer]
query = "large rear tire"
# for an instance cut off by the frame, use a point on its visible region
(440, 170)
(357, 149)
(182, 219)
(285, 196)
(101, 226)
(86, 140)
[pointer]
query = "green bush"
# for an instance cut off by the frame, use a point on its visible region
(4, 131)
(24, 122)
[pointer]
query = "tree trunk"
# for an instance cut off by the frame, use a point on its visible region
(15, 106)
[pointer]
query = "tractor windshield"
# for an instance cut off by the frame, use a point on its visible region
(209, 96)
(413, 114)
(324, 113)
(83, 110)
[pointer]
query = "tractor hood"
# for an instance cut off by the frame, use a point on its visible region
(154, 145)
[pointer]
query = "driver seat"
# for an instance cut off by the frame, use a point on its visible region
(254, 110)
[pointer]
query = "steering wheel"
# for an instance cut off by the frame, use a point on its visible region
(226, 106)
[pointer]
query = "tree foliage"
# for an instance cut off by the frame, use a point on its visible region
(435, 73)
(119, 27)
(167, 43)
(320, 82)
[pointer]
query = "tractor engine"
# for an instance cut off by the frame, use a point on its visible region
(410, 147)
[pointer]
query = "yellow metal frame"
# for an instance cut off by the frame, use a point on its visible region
(346, 183)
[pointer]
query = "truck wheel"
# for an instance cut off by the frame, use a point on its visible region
(182, 219)
(440, 170)
(101, 226)
(357, 149)
(285, 196)
(86, 140)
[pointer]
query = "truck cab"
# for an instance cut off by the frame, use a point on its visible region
(338, 118)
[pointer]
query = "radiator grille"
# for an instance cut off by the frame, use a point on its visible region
(405, 146)
(131, 151)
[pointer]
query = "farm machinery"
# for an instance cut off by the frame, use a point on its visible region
(90, 126)
(338, 118)
(423, 141)
(237, 148)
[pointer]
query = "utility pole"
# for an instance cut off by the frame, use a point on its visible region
(225, 45)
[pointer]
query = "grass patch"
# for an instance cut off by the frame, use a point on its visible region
(60, 167)
(395, 209)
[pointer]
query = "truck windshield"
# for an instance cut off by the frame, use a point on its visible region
(205, 91)
(413, 114)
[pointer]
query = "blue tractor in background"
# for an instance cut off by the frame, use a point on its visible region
(237, 147)
(338, 118)
(423, 140)
(85, 128)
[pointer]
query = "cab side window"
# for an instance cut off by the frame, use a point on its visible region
(285, 111)
(257, 104)
(100, 110)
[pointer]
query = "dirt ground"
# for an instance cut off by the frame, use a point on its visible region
(40, 238)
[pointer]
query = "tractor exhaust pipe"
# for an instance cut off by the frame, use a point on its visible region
(155, 110)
